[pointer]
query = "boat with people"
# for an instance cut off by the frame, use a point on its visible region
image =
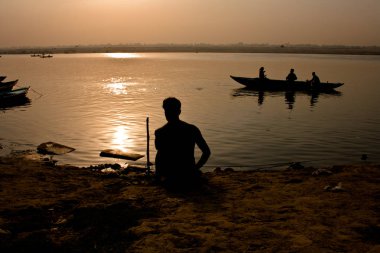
(15, 94)
(45, 55)
(267, 84)
(7, 86)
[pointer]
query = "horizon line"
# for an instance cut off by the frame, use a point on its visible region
(169, 44)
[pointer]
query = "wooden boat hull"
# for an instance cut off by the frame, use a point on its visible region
(7, 86)
(12, 103)
(13, 94)
(283, 85)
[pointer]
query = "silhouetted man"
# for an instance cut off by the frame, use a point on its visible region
(291, 76)
(262, 73)
(175, 143)
(315, 80)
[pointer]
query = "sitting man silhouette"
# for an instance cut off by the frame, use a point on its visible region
(315, 80)
(291, 76)
(175, 144)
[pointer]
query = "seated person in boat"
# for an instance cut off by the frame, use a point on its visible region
(315, 80)
(175, 143)
(262, 73)
(291, 76)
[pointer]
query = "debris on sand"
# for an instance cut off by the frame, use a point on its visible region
(52, 148)
(321, 172)
(336, 188)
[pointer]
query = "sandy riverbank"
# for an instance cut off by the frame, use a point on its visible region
(67, 209)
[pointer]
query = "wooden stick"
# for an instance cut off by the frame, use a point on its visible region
(147, 147)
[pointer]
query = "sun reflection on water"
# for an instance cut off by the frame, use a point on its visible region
(123, 55)
(118, 86)
(121, 138)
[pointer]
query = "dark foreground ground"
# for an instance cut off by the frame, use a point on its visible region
(67, 209)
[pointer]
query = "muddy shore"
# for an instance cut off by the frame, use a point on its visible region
(45, 208)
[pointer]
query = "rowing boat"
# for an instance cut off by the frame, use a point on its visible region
(7, 86)
(13, 94)
(283, 85)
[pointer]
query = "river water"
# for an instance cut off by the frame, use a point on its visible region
(98, 101)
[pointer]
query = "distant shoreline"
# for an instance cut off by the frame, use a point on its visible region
(198, 48)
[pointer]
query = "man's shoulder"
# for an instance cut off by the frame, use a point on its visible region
(161, 129)
(189, 126)
(181, 125)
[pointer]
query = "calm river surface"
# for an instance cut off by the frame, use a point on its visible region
(97, 101)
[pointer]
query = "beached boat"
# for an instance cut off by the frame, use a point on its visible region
(7, 86)
(283, 85)
(13, 94)
(2, 78)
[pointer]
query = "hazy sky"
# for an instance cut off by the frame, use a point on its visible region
(71, 22)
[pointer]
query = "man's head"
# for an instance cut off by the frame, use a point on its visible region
(172, 107)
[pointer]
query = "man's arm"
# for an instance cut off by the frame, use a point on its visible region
(206, 152)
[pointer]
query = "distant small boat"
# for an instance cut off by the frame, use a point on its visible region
(13, 94)
(7, 86)
(46, 56)
(2, 78)
(283, 85)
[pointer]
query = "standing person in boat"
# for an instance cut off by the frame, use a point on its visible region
(291, 76)
(175, 143)
(262, 73)
(315, 80)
